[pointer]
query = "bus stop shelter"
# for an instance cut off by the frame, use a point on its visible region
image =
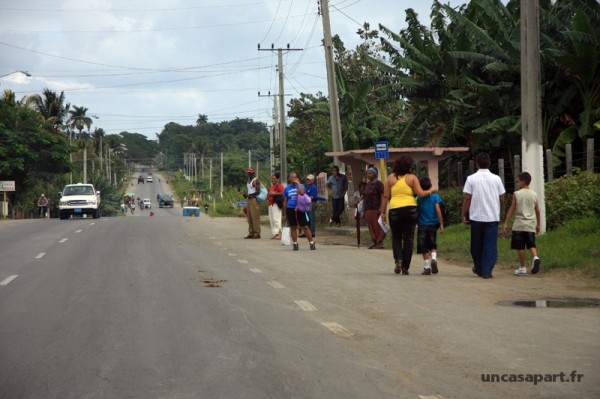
(354, 159)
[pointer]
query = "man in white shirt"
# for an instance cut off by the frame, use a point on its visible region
(483, 196)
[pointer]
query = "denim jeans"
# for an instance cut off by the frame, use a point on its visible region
(484, 246)
(402, 223)
(312, 223)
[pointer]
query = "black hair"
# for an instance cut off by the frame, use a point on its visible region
(483, 160)
(277, 174)
(335, 167)
(425, 183)
(525, 177)
(403, 165)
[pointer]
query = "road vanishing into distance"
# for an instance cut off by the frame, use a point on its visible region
(163, 306)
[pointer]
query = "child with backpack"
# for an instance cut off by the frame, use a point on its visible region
(297, 204)
(430, 219)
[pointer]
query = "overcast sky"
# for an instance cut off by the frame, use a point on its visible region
(139, 64)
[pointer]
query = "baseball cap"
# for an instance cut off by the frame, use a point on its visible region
(310, 177)
(250, 170)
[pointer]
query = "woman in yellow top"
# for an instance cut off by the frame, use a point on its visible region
(400, 189)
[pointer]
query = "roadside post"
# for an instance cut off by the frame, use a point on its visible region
(6, 185)
(382, 153)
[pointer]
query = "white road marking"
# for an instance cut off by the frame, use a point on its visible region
(218, 243)
(93, 223)
(244, 261)
(8, 279)
(255, 270)
(63, 240)
(306, 306)
(40, 255)
(78, 231)
(231, 254)
(275, 284)
(337, 329)
(213, 238)
(430, 397)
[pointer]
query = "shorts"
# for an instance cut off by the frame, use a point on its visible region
(521, 240)
(426, 239)
(295, 217)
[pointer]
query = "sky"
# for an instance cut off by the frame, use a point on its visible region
(140, 64)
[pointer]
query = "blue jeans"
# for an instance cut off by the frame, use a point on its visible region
(484, 246)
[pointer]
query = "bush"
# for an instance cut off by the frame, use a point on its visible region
(452, 199)
(572, 197)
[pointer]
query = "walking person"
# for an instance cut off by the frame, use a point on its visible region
(294, 216)
(373, 198)
(311, 191)
(337, 184)
(275, 199)
(430, 220)
(483, 196)
(253, 214)
(399, 194)
(526, 225)
(42, 206)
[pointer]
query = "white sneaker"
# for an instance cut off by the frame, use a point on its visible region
(521, 271)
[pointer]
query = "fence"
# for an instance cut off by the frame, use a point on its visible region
(455, 172)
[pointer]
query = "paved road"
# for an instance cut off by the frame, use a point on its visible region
(172, 307)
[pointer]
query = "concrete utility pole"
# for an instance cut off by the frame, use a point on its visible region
(531, 103)
(273, 134)
(221, 175)
(282, 137)
(334, 107)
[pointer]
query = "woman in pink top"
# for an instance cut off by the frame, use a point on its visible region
(399, 192)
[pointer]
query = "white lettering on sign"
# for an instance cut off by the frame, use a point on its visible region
(381, 147)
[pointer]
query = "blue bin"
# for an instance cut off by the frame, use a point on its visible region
(191, 211)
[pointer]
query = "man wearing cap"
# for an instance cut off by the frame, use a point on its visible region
(253, 214)
(42, 206)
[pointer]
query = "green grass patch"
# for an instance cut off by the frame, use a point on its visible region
(573, 247)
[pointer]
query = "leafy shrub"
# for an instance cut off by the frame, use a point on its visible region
(572, 197)
(453, 199)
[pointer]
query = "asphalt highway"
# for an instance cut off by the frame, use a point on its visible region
(170, 307)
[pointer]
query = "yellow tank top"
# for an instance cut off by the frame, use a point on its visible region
(402, 194)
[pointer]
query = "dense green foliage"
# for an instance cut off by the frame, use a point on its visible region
(572, 197)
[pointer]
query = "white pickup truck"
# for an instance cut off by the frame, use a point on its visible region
(79, 199)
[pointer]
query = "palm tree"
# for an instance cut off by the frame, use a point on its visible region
(51, 107)
(78, 119)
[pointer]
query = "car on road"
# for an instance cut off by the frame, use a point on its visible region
(146, 203)
(78, 200)
(149, 179)
(165, 200)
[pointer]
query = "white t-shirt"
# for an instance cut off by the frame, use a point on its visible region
(251, 189)
(485, 189)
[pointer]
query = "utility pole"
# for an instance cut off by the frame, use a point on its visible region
(210, 175)
(273, 134)
(334, 108)
(531, 103)
(221, 175)
(282, 137)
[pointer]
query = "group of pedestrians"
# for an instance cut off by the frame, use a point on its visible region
(408, 204)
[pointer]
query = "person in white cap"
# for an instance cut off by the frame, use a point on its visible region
(42, 206)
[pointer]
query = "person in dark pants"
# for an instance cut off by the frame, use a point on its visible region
(483, 196)
(337, 184)
(399, 193)
(311, 191)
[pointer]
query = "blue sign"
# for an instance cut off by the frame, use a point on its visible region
(241, 204)
(381, 150)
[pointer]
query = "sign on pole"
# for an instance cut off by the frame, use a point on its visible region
(7, 185)
(381, 150)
